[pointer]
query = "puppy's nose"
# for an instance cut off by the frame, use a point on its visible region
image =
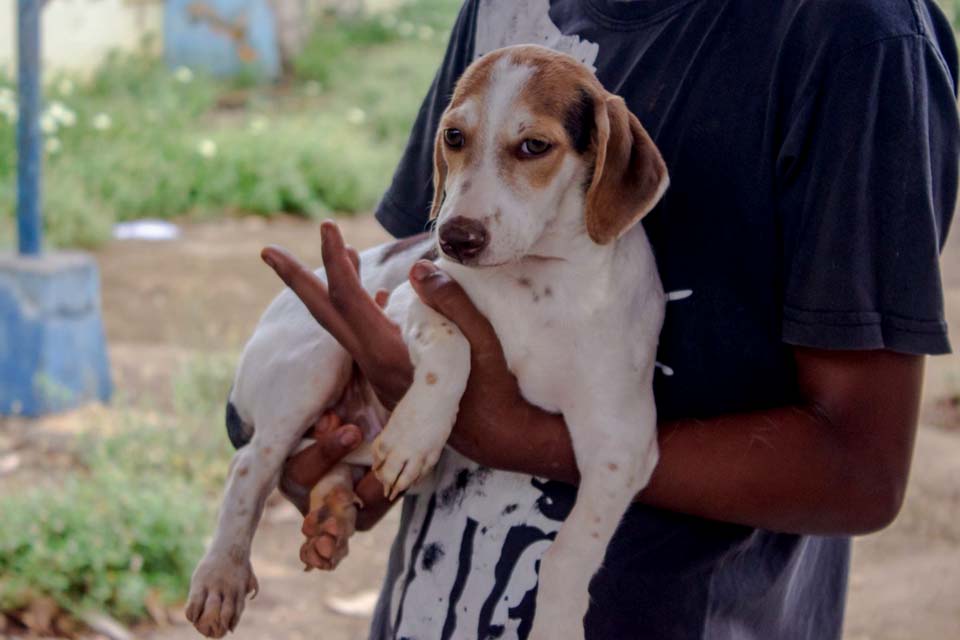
(463, 239)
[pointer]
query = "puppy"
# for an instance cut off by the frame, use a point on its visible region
(541, 176)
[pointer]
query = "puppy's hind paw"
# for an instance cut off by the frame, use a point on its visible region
(328, 530)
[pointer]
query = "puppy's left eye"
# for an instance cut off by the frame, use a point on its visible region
(534, 147)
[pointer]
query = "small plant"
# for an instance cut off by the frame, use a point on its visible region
(141, 140)
(124, 530)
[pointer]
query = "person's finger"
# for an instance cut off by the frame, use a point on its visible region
(375, 504)
(346, 291)
(311, 290)
(445, 296)
(307, 467)
(382, 297)
(354, 258)
(356, 306)
(323, 425)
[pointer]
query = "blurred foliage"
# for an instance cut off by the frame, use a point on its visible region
(139, 140)
(126, 528)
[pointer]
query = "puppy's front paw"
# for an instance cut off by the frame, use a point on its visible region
(402, 456)
(218, 592)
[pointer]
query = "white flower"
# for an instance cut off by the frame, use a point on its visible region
(52, 145)
(48, 123)
(62, 114)
(258, 124)
(101, 122)
(356, 116)
(183, 74)
(405, 29)
(8, 104)
(65, 87)
(207, 148)
(425, 32)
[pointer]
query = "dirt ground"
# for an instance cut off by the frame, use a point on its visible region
(164, 302)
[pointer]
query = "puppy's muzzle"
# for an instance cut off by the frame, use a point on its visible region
(463, 239)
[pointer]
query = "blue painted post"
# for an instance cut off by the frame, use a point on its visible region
(53, 353)
(29, 143)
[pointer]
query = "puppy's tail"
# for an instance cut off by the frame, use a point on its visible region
(239, 432)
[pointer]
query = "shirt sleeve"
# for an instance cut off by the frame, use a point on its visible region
(404, 208)
(867, 185)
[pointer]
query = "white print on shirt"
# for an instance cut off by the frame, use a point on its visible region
(501, 23)
(673, 296)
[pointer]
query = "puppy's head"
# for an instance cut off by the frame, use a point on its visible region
(529, 137)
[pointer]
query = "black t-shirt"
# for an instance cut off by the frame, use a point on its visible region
(813, 149)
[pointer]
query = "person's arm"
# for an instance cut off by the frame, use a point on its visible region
(836, 463)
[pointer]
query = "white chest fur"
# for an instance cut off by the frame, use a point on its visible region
(563, 322)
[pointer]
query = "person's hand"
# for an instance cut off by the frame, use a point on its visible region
(302, 471)
(492, 411)
(327, 538)
(349, 314)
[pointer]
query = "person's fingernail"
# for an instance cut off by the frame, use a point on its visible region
(421, 270)
(349, 437)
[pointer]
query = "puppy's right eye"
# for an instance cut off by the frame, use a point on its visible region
(453, 138)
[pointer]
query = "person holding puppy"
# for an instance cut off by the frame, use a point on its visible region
(813, 152)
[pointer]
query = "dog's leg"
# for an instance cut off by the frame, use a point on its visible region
(222, 580)
(331, 521)
(616, 452)
(418, 429)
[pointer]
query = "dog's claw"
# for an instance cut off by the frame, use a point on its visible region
(399, 465)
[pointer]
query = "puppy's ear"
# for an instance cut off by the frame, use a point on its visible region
(629, 175)
(439, 175)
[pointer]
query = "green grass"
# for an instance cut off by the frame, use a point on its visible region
(139, 140)
(125, 527)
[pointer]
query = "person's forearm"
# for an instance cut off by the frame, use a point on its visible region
(785, 469)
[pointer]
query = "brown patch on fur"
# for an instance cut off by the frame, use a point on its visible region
(548, 292)
(628, 173)
(431, 378)
(524, 282)
(267, 451)
(613, 466)
(554, 92)
(402, 245)
(242, 471)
